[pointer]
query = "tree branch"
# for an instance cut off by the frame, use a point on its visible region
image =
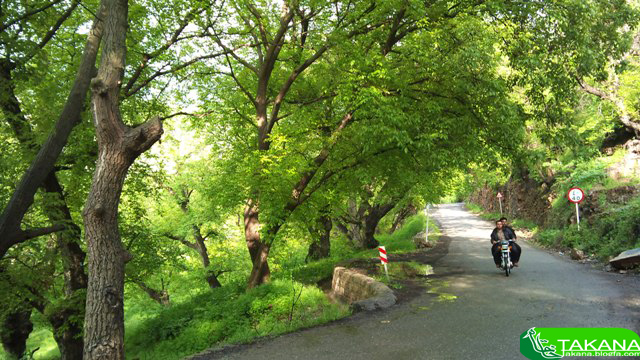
(175, 37)
(28, 14)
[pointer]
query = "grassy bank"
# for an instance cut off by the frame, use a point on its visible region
(205, 318)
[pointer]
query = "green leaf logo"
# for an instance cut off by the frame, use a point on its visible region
(535, 348)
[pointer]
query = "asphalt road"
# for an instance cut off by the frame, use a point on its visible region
(470, 309)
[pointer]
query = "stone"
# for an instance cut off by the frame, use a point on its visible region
(420, 241)
(626, 259)
(363, 292)
(577, 254)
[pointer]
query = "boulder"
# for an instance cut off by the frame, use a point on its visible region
(626, 259)
(577, 254)
(420, 241)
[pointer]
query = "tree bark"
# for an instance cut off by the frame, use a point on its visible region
(321, 232)
(118, 147)
(42, 165)
(373, 217)
(67, 330)
(362, 223)
(16, 328)
(260, 272)
(201, 247)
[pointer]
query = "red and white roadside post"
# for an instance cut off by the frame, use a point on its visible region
(499, 196)
(576, 195)
(384, 260)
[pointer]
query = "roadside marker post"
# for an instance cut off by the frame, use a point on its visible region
(384, 260)
(499, 196)
(576, 195)
(426, 211)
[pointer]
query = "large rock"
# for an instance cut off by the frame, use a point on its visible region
(577, 254)
(361, 291)
(420, 241)
(626, 259)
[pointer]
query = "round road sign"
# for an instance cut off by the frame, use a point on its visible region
(575, 195)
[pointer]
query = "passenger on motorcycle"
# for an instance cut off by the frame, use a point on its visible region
(498, 234)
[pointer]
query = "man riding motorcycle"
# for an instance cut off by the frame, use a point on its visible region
(497, 235)
(516, 248)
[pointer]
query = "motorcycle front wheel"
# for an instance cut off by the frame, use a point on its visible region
(507, 268)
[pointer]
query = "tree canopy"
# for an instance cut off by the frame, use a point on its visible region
(248, 131)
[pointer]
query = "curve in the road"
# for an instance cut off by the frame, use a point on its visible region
(470, 310)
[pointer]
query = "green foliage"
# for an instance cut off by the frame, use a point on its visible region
(227, 315)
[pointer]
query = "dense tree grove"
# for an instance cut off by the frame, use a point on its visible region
(171, 152)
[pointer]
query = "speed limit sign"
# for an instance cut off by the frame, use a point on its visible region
(575, 195)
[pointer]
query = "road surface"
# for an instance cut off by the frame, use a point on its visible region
(470, 310)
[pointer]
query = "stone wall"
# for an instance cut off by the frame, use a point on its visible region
(361, 291)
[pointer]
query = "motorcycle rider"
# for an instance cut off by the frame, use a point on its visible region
(497, 235)
(516, 250)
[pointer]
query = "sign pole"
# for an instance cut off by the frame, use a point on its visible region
(578, 215)
(386, 272)
(426, 237)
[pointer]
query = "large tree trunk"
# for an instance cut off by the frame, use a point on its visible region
(373, 217)
(67, 330)
(43, 164)
(258, 251)
(362, 223)
(15, 331)
(118, 147)
(321, 233)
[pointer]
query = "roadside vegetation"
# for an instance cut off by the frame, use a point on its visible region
(200, 317)
(198, 188)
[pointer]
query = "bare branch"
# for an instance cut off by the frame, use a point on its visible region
(242, 88)
(200, 115)
(287, 85)
(175, 37)
(170, 71)
(24, 235)
(233, 53)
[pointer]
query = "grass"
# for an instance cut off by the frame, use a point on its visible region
(203, 318)
(231, 315)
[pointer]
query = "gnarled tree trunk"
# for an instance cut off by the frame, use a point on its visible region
(321, 233)
(118, 147)
(15, 331)
(258, 251)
